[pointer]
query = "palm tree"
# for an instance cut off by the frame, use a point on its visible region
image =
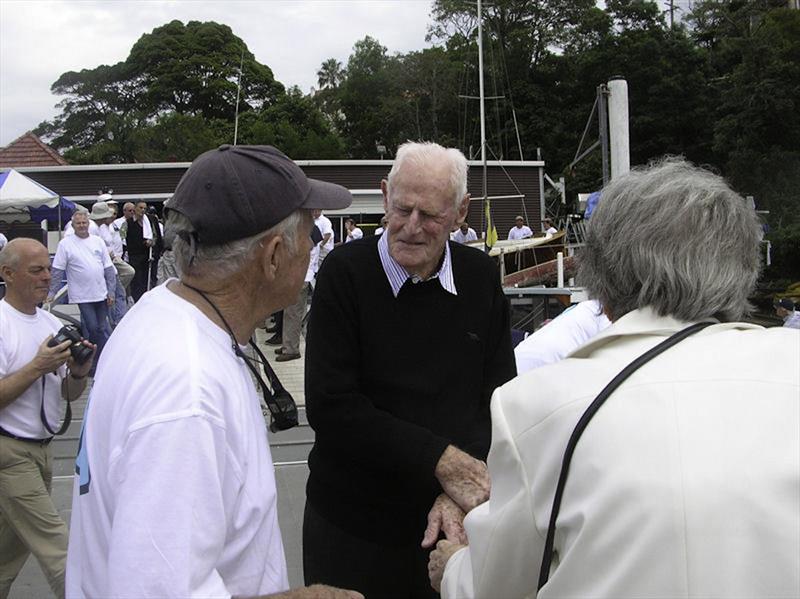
(330, 74)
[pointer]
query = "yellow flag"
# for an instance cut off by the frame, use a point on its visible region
(491, 231)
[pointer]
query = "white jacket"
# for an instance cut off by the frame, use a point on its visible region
(686, 483)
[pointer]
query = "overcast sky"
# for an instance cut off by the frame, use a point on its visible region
(40, 40)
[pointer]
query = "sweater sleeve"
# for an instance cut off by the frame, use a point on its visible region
(349, 427)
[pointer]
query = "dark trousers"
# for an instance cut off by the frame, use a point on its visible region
(139, 280)
(336, 557)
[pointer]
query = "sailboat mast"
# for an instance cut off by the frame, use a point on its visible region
(482, 98)
(238, 94)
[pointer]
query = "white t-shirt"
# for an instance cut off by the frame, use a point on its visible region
(551, 231)
(93, 229)
(175, 495)
(110, 235)
(325, 227)
(462, 237)
(84, 260)
(522, 232)
(3, 241)
(20, 337)
(356, 233)
(558, 338)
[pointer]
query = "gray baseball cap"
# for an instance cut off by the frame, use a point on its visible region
(235, 192)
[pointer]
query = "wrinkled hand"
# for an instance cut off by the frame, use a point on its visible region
(463, 478)
(49, 359)
(318, 591)
(438, 560)
(109, 300)
(81, 370)
(445, 516)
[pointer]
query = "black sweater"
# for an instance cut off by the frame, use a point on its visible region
(390, 382)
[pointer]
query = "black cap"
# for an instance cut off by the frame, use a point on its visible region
(235, 192)
(784, 303)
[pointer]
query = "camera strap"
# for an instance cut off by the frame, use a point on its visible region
(281, 405)
(67, 415)
(547, 558)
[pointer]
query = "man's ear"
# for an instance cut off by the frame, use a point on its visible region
(462, 209)
(270, 254)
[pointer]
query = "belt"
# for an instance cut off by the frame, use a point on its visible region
(5, 433)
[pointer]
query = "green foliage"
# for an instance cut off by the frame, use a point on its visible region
(174, 97)
(785, 253)
(194, 69)
(295, 125)
(721, 89)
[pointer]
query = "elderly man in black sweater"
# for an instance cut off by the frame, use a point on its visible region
(408, 337)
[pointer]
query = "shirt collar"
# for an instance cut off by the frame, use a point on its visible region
(397, 275)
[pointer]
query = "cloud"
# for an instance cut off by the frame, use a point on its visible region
(40, 40)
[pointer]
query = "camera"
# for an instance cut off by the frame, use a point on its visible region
(69, 332)
(284, 411)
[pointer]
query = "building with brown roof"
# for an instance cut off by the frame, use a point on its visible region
(27, 151)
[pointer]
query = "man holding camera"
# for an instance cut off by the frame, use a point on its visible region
(34, 378)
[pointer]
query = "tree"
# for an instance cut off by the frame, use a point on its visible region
(194, 69)
(330, 74)
(189, 70)
(295, 125)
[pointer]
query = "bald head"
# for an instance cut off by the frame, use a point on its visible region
(25, 267)
(15, 249)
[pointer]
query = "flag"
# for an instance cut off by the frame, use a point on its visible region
(491, 231)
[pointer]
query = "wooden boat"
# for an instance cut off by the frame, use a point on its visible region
(525, 262)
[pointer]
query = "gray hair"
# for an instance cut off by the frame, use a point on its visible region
(423, 153)
(673, 237)
(223, 260)
(9, 256)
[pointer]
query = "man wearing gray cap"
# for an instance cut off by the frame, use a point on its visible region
(175, 490)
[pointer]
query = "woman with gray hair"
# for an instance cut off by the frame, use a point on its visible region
(640, 467)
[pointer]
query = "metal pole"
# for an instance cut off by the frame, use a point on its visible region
(602, 113)
(618, 126)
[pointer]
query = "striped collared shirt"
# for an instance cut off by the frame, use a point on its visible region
(397, 275)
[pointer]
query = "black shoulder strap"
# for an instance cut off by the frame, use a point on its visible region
(547, 558)
(67, 416)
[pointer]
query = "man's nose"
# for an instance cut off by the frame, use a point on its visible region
(415, 220)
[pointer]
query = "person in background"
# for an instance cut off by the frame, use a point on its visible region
(68, 228)
(520, 230)
(407, 338)
(325, 227)
(139, 243)
(174, 494)
(353, 232)
(549, 229)
(785, 308)
(103, 215)
(35, 379)
(464, 234)
(91, 278)
(561, 336)
(294, 315)
(380, 230)
(686, 483)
